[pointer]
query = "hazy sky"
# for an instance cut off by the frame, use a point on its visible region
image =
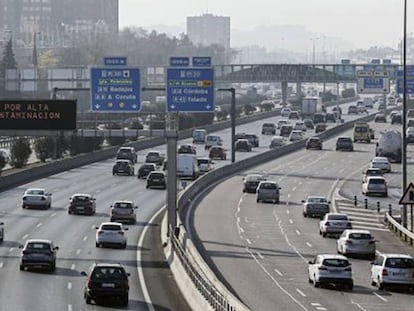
(362, 22)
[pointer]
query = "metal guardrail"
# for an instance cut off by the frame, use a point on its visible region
(404, 233)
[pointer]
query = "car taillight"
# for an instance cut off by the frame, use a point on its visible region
(43, 198)
(384, 272)
(125, 284)
(348, 269)
(91, 283)
(322, 268)
(327, 224)
(348, 242)
(100, 232)
(371, 242)
(349, 225)
(24, 198)
(121, 232)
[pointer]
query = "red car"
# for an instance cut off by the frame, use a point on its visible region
(217, 152)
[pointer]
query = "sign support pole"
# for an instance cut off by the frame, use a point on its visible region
(404, 119)
(233, 121)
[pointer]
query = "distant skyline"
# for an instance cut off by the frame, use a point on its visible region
(363, 23)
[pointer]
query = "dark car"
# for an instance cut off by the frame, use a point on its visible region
(380, 118)
(344, 143)
(253, 139)
(309, 123)
(145, 169)
(155, 157)
(127, 153)
(285, 130)
(396, 119)
(314, 143)
(243, 145)
(123, 167)
(319, 118)
(106, 282)
(187, 148)
(217, 152)
(251, 181)
(320, 127)
(352, 109)
(38, 253)
(330, 117)
(156, 179)
(81, 203)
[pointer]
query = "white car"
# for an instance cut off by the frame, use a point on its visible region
(382, 163)
(393, 269)
(36, 197)
(334, 223)
(356, 242)
(281, 122)
(111, 234)
(330, 269)
(315, 206)
(300, 125)
(285, 112)
(205, 165)
(277, 141)
(375, 185)
(296, 135)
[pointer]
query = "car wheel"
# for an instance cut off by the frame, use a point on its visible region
(324, 234)
(124, 245)
(88, 299)
(52, 268)
(381, 286)
(320, 232)
(21, 267)
(49, 206)
(350, 286)
(315, 283)
(147, 186)
(125, 301)
(257, 200)
(23, 206)
(96, 244)
(277, 201)
(372, 282)
(386, 194)
(305, 215)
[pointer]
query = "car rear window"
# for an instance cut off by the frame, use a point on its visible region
(38, 246)
(36, 192)
(377, 181)
(344, 139)
(401, 263)
(337, 217)
(268, 186)
(334, 262)
(152, 154)
(111, 227)
(108, 273)
(122, 205)
(125, 150)
(317, 200)
(81, 199)
(360, 236)
(203, 161)
(373, 172)
(157, 175)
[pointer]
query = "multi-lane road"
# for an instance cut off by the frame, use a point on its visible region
(261, 251)
(152, 284)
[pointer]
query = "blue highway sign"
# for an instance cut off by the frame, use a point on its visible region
(202, 61)
(190, 89)
(410, 80)
(115, 61)
(115, 89)
(179, 61)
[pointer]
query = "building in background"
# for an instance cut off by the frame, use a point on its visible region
(56, 21)
(208, 29)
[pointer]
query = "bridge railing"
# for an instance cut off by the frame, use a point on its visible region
(402, 232)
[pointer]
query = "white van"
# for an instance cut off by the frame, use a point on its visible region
(213, 140)
(187, 166)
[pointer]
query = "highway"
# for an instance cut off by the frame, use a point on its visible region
(261, 251)
(151, 281)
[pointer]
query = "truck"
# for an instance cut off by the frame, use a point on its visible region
(310, 106)
(389, 145)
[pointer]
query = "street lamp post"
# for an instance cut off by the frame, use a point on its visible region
(404, 119)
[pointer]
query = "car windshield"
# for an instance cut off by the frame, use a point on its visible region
(111, 227)
(36, 192)
(335, 262)
(123, 205)
(360, 236)
(108, 273)
(338, 217)
(401, 263)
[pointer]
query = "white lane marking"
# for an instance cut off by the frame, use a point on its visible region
(53, 215)
(238, 220)
(69, 285)
(288, 195)
(300, 292)
(299, 183)
(85, 238)
(321, 308)
(11, 249)
(98, 190)
(241, 230)
(287, 212)
(294, 188)
(78, 251)
(278, 272)
(93, 227)
(72, 267)
(69, 307)
(248, 241)
(297, 232)
(260, 255)
(1, 264)
(39, 225)
(308, 244)
(315, 304)
(380, 297)
(291, 221)
(25, 237)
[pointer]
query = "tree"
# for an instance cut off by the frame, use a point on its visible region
(20, 152)
(8, 60)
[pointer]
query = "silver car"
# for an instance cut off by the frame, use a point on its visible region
(36, 197)
(315, 206)
(268, 191)
(382, 163)
(123, 211)
(334, 223)
(375, 185)
(356, 242)
(393, 269)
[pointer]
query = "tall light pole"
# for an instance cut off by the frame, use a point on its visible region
(314, 49)
(404, 119)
